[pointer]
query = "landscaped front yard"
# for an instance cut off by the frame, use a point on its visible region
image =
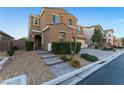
(28, 63)
(31, 64)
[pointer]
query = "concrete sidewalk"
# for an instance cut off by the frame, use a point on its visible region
(98, 53)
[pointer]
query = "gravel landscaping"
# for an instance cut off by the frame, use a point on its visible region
(28, 63)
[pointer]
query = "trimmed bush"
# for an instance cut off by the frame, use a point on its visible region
(107, 49)
(11, 52)
(96, 47)
(75, 63)
(114, 46)
(65, 47)
(15, 48)
(89, 57)
(29, 45)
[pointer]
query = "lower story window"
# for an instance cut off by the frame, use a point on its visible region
(62, 37)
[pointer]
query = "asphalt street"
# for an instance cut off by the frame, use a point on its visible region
(110, 74)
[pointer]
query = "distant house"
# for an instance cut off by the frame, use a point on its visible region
(89, 32)
(118, 42)
(5, 36)
(108, 38)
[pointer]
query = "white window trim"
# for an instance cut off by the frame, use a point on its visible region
(81, 36)
(62, 31)
(36, 31)
(35, 16)
(72, 26)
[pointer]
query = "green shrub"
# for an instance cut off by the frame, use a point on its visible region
(65, 47)
(96, 47)
(29, 45)
(11, 52)
(120, 47)
(108, 49)
(89, 57)
(15, 48)
(75, 63)
(114, 46)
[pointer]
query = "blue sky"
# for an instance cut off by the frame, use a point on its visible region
(14, 21)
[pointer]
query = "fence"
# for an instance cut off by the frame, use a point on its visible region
(7, 44)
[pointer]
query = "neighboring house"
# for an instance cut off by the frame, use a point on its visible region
(118, 42)
(5, 36)
(108, 37)
(89, 32)
(54, 25)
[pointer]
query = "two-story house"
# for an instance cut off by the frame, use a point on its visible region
(108, 38)
(54, 25)
(89, 32)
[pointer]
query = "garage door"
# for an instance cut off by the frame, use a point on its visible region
(82, 43)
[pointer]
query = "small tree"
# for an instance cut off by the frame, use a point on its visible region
(123, 41)
(97, 36)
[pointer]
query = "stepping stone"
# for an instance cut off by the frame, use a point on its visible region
(61, 69)
(47, 55)
(18, 80)
(42, 52)
(52, 60)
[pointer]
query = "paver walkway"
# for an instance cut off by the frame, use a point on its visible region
(57, 66)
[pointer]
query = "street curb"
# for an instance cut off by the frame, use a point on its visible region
(82, 73)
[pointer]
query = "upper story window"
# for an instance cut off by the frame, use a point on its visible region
(78, 29)
(36, 21)
(55, 19)
(70, 22)
(109, 35)
(62, 37)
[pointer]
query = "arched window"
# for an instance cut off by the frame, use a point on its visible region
(70, 22)
(62, 37)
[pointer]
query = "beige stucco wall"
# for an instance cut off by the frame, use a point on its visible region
(89, 33)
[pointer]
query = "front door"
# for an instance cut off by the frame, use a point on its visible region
(37, 42)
